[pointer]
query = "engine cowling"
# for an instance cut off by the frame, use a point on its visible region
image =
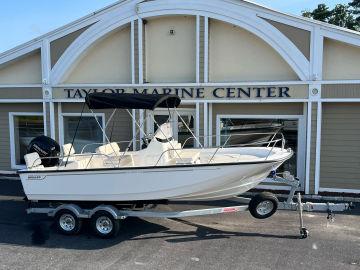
(47, 148)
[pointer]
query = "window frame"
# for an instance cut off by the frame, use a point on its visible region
(61, 124)
(12, 116)
(181, 111)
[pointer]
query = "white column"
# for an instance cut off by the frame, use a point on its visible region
(197, 48)
(52, 120)
(133, 77)
(206, 129)
(206, 49)
(210, 124)
(60, 131)
(316, 54)
(45, 119)
(132, 51)
(47, 90)
(197, 123)
(318, 147)
(134, 129)
(140, 42)
(308, 147)
(317, 48)
(141, 123)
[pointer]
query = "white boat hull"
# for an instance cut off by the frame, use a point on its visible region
(198, 182)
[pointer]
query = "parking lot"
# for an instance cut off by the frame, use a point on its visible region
(231, 241)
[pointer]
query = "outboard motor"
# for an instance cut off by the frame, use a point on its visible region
(46, 148)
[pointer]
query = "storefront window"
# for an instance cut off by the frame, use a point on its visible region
(89, 132)
(184, 133)
(26, 128)
(257, 132)
(181, 133)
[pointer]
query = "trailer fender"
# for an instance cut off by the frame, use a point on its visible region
(108, 208)
(71, 207)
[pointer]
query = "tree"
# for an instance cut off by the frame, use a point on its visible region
(341, 15)
(307, 13)
(355, 4)
(321, 13)
(355, 10)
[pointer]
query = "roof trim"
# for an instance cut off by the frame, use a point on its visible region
(297, 17)
(74, 25)
(35, 43)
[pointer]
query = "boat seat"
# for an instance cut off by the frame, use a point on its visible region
(188, 157)
(33, 160)
(109, 149)
(175, 151)
(122, 160)
(68, 149)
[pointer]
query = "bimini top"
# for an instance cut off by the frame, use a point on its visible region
(131, 101)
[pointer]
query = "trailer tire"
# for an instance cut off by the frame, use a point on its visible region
(104, 225)
(263, 205)
(67, 222)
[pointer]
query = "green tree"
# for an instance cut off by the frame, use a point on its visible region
(355, 10)
(341, 16)
(321, 13)
(355, 5)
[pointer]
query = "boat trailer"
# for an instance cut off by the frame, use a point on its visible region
(105, 219)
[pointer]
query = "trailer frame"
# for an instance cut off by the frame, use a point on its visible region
(118, 214)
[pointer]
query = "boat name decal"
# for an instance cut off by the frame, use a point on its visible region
(36, 177)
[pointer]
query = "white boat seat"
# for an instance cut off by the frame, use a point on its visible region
(109, 149)
(175, 151)
(68, 149)
(121, 160)
(188, 157)
(33, 160)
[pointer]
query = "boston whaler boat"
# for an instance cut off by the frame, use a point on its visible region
(115, 181)
(162, 171)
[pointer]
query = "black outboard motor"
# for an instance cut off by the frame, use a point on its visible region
(46, 148)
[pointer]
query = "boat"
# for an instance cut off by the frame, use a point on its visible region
(163, 171)
(249, 131)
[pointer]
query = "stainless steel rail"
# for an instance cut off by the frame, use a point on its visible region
(271, 144)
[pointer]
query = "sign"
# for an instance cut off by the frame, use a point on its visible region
(219, 93)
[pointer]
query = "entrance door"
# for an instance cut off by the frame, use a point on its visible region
(180, 131)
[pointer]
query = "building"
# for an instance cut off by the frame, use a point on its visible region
(232, 62)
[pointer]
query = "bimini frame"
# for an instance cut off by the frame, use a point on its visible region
(151, 102)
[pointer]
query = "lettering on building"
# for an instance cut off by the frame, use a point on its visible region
(253, 92)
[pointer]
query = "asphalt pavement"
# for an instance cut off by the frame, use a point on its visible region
(228, 241)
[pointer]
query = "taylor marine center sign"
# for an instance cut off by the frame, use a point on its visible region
(208, 93)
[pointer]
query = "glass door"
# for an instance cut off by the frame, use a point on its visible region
(179, 124)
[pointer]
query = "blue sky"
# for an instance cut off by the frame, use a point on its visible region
(23, 20)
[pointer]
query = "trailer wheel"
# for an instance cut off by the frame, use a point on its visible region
(104, 224)
(263, 205)
(67, 222)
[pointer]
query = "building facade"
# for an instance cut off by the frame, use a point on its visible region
(232, 62)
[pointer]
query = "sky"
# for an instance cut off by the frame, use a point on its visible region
(23, 20)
